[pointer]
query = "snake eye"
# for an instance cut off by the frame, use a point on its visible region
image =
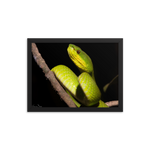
(78, 51)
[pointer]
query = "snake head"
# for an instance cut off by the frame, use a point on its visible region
(80, 58)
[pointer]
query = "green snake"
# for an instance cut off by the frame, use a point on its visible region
(83, 89)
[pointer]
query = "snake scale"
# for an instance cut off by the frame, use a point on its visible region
(82, 89)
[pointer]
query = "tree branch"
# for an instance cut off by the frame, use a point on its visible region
(112, 103)
(50, 75)
(56, 85)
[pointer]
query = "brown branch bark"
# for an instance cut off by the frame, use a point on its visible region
(56, 85)
(112, 103)
(50, 75)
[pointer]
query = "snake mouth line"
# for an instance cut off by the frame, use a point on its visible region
(77, 60)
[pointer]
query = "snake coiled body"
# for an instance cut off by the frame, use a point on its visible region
(84, 87)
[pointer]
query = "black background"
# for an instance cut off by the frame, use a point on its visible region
(105, 60)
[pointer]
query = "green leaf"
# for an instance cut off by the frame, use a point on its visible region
(113, 81)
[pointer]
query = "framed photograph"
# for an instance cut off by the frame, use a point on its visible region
(75, 75)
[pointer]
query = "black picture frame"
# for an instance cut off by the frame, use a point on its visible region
(120, 40)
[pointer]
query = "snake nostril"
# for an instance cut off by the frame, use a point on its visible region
(72, 47)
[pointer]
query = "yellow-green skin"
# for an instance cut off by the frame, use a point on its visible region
(84, 87)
